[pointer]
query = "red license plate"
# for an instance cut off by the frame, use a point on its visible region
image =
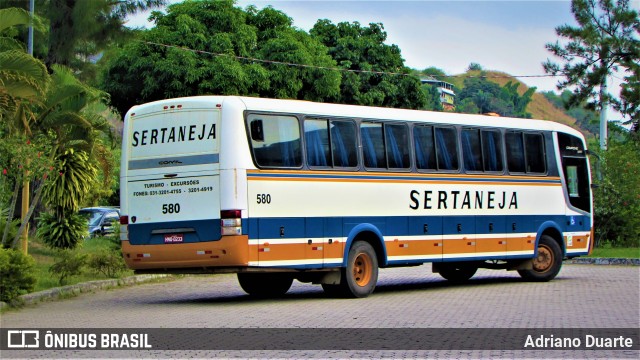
(173, 238)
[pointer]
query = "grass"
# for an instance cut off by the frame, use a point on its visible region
(45, 257)
(609, 252)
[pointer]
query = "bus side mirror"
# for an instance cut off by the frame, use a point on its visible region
(257, 131)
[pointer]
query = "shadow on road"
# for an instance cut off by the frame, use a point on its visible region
(385, 287)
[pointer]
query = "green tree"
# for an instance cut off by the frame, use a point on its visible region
(489, 97)
(474, 67)
(376, 73)
(279, 41)
(432, 98)
(433, 72)
(585, 118)
(75, 135)
(211, 47)
(23, 81)
(21, 159)
(617, 198)
(78, 30)
(39, 106)
(605, 40)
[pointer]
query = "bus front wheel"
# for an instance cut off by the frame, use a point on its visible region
(265, 285)
(547, 263)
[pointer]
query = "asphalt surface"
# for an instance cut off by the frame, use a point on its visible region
(582, 297)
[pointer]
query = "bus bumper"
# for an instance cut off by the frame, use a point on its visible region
(229, 251)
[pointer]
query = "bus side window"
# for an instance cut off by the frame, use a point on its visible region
(424, 147)
(447, 148)
(330, 143)
(317, 142)
(534, 145)
(515, 152)
(372, 145)
(492, 150)
(343, 143)
(525, 152)
(276, 141)
(397, 146)
(471, 151)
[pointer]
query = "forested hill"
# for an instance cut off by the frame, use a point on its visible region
(539, 107)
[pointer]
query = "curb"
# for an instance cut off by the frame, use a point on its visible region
(603, 261)
(58, 292)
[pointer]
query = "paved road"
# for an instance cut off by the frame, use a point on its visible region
(582, 296)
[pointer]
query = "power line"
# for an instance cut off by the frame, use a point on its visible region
(246, 58)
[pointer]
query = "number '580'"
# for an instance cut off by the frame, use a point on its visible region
(170, 208)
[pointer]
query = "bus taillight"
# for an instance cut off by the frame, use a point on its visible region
(124, 227)
(231, 221)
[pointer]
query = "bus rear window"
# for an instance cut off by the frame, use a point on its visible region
(275, 140)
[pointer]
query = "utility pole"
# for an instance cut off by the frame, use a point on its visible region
(604, 104)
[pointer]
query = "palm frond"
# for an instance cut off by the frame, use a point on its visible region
(10, 17)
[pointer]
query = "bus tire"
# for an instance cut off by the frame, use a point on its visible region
(457, 272)
(547, 263)
(359, 278)
(265, 285)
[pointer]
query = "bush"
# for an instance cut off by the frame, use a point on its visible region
(17, 274)
(69, 263)
(13, 230)
(617, 199)
(107, 262)
(63, 233)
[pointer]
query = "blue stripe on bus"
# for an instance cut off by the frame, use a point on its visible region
(292, 228)
(326, 227)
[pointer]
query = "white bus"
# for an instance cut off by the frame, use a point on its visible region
(277, 190)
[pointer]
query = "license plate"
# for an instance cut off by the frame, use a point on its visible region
(173, 238)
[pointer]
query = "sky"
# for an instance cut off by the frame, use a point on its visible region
(509, 36)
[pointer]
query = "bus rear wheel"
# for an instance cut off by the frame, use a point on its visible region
(547, 263)
(265, 285)
(456, 272)
(359, 278)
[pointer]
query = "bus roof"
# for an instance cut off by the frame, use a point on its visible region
(381, 113)
(376, 113)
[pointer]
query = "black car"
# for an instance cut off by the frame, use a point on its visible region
(102, 220)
